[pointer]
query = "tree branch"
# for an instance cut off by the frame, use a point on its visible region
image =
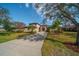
(67, 15)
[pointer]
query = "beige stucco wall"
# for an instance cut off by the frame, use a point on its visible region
(37, 28)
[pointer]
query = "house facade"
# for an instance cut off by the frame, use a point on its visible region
(19, 27)
(35, 27)
(38, 27)
(69, 27)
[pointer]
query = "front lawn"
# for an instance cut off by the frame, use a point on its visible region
(64, 37)
(60, 45)
(7, 36)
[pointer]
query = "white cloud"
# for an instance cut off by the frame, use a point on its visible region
(27, 5)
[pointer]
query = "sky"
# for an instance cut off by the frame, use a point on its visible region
(23, 13)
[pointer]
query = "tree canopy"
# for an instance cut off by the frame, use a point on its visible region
(56, 24)
(64, 11)
(5, 19)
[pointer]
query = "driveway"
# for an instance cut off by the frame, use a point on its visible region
(26, 46)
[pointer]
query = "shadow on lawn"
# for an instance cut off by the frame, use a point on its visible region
(72, 46)
(69, 45)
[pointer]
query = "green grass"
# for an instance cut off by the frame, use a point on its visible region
(71, 34)
(7, 36)
(53, 45)
(64, 37)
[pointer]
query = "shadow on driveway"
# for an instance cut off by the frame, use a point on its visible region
(34, 37)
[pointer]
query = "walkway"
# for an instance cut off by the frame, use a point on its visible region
(26, 46)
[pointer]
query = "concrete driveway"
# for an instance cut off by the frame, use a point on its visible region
(26, 46)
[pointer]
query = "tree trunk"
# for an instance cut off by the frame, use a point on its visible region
(77, 39)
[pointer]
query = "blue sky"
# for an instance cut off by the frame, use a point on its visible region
(23, 13)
